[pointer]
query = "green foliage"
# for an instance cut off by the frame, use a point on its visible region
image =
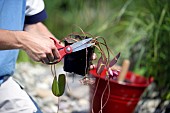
(99, 18)
(151, 53)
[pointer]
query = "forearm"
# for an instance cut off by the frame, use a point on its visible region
(34, 40)
(10, 39)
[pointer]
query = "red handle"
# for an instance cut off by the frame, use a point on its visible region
(57, 44)
(62, 50)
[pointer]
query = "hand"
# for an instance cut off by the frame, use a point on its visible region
(38, 45)
(40, 48)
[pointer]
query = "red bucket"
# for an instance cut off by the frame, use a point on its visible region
(123, 97)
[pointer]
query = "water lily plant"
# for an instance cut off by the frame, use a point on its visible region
(104, 62)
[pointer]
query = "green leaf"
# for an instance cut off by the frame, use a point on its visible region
(61, 83)
(55, 89)
(58, 86)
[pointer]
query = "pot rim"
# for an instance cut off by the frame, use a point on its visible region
(93, 73)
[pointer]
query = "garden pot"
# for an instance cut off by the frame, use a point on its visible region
(123, 97)
(78, 62)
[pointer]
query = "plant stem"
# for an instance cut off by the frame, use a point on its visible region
(102, 106)
(58, 104)
(95, 93)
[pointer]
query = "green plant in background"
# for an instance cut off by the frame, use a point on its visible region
(152, 52)
(95, 17)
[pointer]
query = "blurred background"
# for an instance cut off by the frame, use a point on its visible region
(139, 29)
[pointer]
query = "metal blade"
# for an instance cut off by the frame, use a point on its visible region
(83, 47)
(80, 43)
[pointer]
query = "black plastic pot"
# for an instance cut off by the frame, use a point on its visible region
(78, 62)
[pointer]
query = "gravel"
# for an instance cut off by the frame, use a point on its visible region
(37, 81)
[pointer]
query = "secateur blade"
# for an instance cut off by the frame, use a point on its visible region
(81, 44)
(71, 48)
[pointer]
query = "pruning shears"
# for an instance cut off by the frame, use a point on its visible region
(77, 46)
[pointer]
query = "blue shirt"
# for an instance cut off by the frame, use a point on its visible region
(12, 17)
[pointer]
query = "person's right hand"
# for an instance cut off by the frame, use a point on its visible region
(40, 48)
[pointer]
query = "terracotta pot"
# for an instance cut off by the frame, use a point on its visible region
(123, 97)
